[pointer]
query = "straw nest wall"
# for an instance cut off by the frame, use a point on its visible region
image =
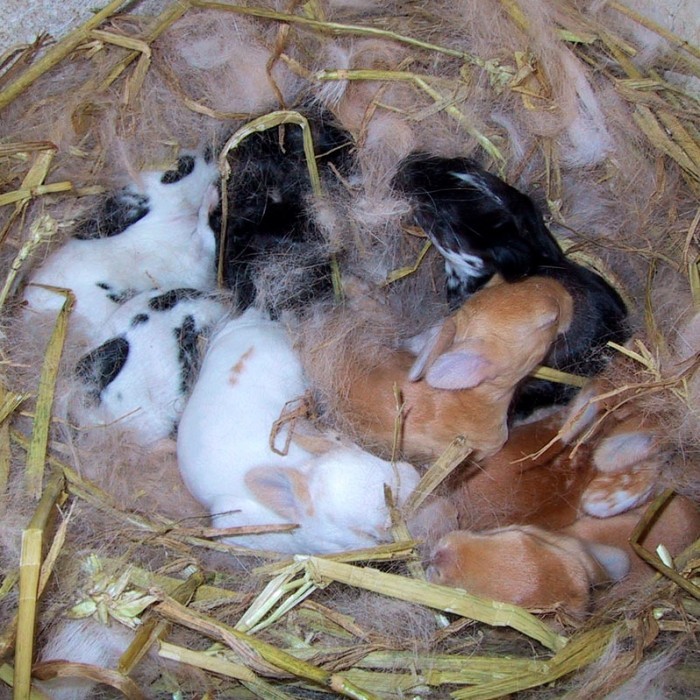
(592, 108)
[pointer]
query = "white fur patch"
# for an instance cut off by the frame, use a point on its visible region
(618, 452)
(461, 264)
(480, 184)
(615, 561)
(612, 494)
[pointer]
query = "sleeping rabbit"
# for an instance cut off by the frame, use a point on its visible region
(458, 378)
(542, 523)
(482, 226)
(245, 476)
(154, 235)
(139, 376)
(270, 217)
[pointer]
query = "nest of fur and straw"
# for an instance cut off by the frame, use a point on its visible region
(118, 94)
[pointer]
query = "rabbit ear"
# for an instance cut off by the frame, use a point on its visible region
(436, 342)
(461, 369)
(580, 413)
(614, 561)
(285, 491)
(621, 451)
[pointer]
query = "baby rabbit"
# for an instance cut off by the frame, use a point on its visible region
(527, 566)
(526, 484)
(527, 516)
(268, 205)
(546, 569)
(483, 226)
(153, 235)
(140, 376)
(231, 464)
(464, 375)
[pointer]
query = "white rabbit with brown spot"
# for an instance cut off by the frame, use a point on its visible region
(233, 466)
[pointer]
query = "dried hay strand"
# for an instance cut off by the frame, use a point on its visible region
(125, 90)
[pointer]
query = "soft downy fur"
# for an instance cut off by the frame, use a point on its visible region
(607, 187)
(562, 506)
(246, 474)
(460, 377)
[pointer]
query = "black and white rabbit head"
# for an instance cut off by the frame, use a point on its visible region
(479, 223)
(155, 192)
(138, 378)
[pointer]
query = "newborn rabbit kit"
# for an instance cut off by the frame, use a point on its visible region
(230, 462)
(155, 234)
(238, 446)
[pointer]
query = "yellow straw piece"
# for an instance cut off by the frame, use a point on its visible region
(36, 456)
(451, 600)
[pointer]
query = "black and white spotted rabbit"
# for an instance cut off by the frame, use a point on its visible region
(154, 234)
(140, 375)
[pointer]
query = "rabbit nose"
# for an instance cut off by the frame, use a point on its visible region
(433, 574)
(438, 560)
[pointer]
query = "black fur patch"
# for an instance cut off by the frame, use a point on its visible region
(121, 297)
(117, 213)
(188, 352)
(169, 299)
(118, 297)
(138, 320)
(268, 199)
(101, 366)
(465, 210)
(185, 165)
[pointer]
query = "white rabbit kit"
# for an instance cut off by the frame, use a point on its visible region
(248, 375)
(138, 378)
(154, 234)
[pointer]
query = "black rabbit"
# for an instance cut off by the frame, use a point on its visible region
(267, 197)
(483, 226)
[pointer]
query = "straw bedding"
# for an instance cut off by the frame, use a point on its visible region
(589, 107)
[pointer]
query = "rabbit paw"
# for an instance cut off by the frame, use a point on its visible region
(615, 493)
